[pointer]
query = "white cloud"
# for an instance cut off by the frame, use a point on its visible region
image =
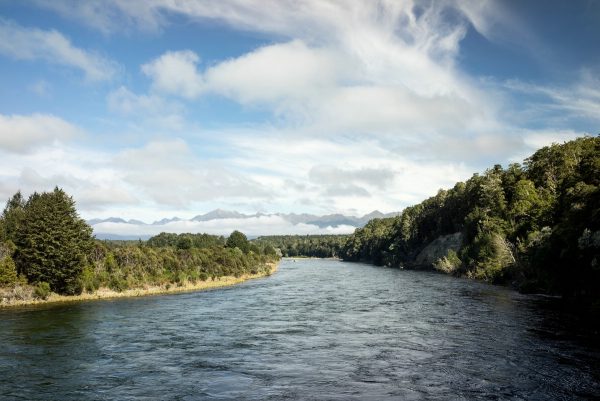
(22, 133)
(51, 46)
(350, 175)
(123, 101)
(331, 175)
(151, 110)
(538, 139)
(168, 173)
(253, 227)
(109, 17)
(276, 73)
(175, 73)
(369, 109)
(41, 88)
(580, 99)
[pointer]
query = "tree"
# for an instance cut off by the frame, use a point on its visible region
(184, 242)
(12, 217)
(8, 270)
(238, 240)
(52, 242)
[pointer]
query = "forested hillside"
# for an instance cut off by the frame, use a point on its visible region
(317, 246)
(45, 246)
(535, 225)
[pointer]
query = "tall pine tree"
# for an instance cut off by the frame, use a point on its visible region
(52, 242)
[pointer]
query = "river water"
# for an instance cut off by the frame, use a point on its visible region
(316, 330)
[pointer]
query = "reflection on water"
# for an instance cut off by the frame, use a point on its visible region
(318, 329)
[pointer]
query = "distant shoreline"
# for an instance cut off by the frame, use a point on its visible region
(310, 257)
(106, 293)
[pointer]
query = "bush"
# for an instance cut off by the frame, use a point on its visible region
(203, 276)
(89, 282)
(117, 284)
(8, 272)
(42, 290)
(180, 278)
(449, 263)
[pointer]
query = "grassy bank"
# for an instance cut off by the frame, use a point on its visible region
(24, 295)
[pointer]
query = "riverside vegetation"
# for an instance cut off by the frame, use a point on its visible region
(535, 226)
(45, 247)
(315, 246)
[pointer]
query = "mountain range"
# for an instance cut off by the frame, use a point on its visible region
(329, 220)
(118, 227)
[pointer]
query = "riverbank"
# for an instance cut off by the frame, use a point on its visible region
(107, 293)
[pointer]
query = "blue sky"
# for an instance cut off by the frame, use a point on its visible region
(154, 109)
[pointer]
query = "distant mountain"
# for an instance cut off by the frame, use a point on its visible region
(255, 224)
(330, 220)
(221, 214)
(162, 222)
(93, 222)
(117, 237)
(335, 220)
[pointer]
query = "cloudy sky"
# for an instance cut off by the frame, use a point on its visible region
(168, 108)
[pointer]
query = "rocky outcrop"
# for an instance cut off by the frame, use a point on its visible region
(437, 249)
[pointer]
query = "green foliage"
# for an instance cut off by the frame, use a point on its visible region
(318, 246)
(42, 290)
(449, 263)
(184, 242)
(8, 272)
(176, 240)
(535, 225)
(124, 265)
(238, 240)
(12, 217)
(89, 281)
(54, 248)
(52, 241)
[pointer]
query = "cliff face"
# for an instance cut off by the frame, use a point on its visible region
(437, 249)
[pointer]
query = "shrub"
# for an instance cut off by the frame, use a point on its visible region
(8, 272)
(42, 290)
(117, 284)
(449, 263)
(89, 282)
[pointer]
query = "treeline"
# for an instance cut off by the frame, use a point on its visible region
(317, 246)
(45, 244)
(535, 225)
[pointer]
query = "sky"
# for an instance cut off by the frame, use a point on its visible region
(161, 108)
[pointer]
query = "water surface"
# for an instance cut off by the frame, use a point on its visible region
(316, 330)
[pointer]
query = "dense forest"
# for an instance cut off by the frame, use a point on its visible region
(536, 226)
(317, 246)
(45, 246)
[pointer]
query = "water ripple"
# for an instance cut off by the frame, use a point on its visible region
(317, 330)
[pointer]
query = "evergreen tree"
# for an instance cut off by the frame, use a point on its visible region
(52, 242)
(238, 240)
(8, 270)
(12, 217)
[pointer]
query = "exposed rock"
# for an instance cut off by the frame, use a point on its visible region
(437, 249)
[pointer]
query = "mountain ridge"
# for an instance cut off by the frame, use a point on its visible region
(333, 220)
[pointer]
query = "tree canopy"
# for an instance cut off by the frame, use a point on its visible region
(43, 242)
(238, 240)
(51, 240)
(536, 225)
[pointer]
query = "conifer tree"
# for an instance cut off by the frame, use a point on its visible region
(52, 242)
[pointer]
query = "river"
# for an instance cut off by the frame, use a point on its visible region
(315, 330)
